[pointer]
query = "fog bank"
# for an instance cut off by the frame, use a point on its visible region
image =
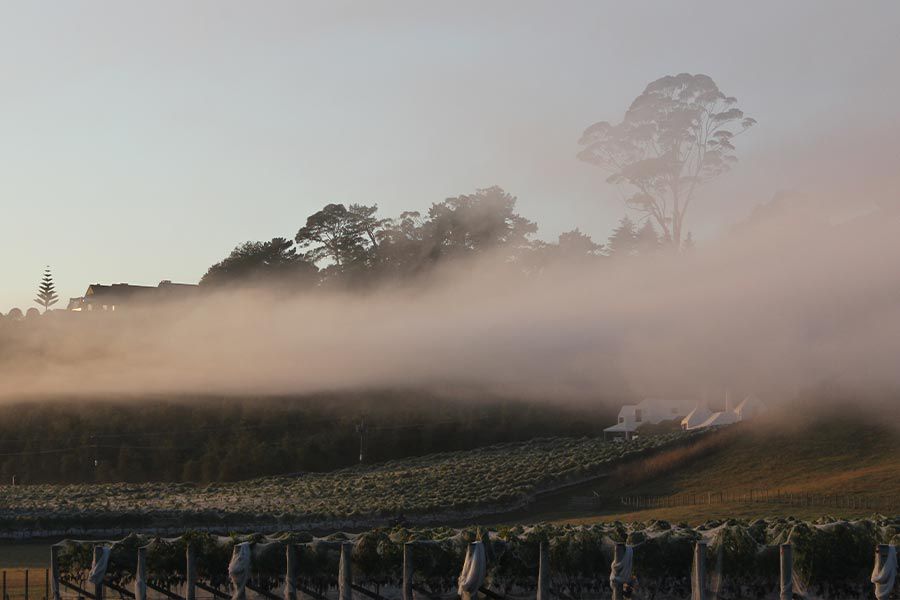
(787, 300)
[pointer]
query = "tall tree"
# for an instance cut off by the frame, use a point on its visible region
(575, 244)
(402, 249)
(677, 135)
(623, 241)
(46, 295)
(478, 222)
(343, 235)
(273, 263)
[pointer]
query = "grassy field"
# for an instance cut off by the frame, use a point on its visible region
(827, 456)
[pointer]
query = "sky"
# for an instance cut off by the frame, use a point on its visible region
(142, 141)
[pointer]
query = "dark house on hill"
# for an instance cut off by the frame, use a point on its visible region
(123, 295)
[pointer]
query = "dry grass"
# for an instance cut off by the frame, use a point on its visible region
(695, 515)
(825, 456)
(667, 461)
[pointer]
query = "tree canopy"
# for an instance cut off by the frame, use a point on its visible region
(271, 263)
(677, 135)
(339, 235)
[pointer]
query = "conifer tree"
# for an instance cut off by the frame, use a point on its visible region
(47, 291)
(623, 241)
(646, 239)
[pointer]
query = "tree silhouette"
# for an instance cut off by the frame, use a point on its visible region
(476, 223)
(623, 241)
(47, 291)
(575, 244)
(675, 136)
(344, 235)
(272, 263)
(647, 240)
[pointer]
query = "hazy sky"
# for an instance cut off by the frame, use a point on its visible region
(142, 141)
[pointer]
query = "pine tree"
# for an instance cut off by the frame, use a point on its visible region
(47, 291)
(646, 239)
(623, 241)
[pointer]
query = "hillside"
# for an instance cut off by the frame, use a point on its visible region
(451, 485)
(144, 438)
(829, 463)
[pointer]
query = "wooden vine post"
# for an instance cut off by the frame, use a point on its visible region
(54, 573)
(140, 578)
(786, 555)
(618, 557)
(290, 572)
(345, 573)
(407, 571)
(698, 584)
(881, 555)
(543, 582)
(98, 587)
(190, 572)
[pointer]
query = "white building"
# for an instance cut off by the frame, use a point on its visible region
(648, 410)
(749, 408)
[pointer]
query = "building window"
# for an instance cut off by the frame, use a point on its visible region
(637, 415)
(621, 419)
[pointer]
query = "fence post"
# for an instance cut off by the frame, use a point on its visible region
(4, 585)
(543, 582)
(140, 575)
(698, 583)
(407, 571)
(54, 572)
(787, 572)
(46, 584)
(618, 556)
(881, 554)
(26, 584)
(190, 572)
(345, 574)
(98, 587)
(290, 572)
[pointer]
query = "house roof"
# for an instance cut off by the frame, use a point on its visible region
(750, 401)
(726, 417)
(696, 417)
(621, 427)
(117, 292)
(116, 289)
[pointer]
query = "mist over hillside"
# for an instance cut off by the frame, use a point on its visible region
(782, 303)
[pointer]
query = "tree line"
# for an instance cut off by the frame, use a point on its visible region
(353, 246)
(676, 136)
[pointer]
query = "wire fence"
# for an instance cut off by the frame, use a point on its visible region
(34, 584)
(27, 584)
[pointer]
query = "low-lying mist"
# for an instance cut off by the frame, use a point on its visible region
(783, 302)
